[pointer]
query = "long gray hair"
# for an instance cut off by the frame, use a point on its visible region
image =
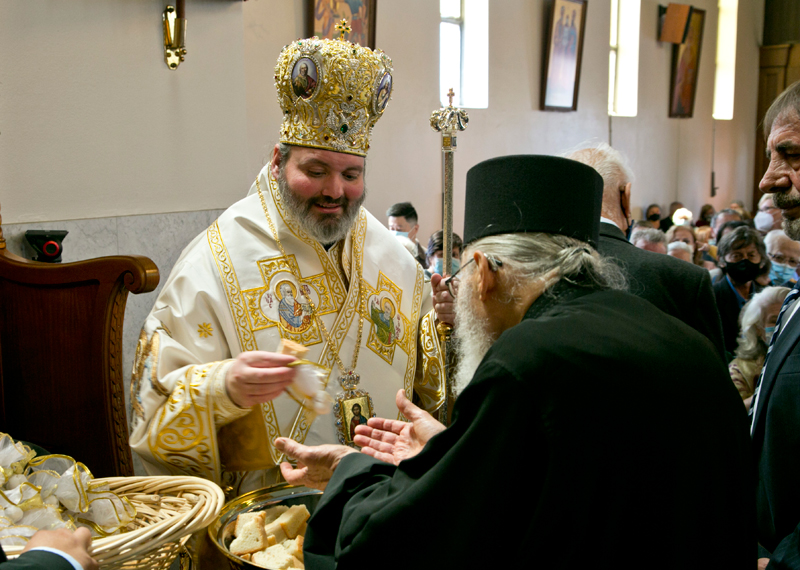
(531, 256)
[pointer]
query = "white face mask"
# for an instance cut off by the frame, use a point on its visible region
(399, 233)
(763, 221)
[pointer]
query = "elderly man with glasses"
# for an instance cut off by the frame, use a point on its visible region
(784, 253)
(567, 448)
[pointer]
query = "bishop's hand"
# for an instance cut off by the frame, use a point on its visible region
(393, 441)
(256, 377)
(443, 302)
(315, 464)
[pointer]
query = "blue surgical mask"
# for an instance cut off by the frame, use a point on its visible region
(768, 332)
(438, 263)
(400, 234)
(780, 273)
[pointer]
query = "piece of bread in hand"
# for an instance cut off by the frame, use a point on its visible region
(292, 349)
(245, 518)
(251, 539)
(276, 558)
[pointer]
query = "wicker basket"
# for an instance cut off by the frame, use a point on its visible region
(168, 511)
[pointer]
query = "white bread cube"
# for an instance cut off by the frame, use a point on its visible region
(245, 518)
(275, 530)
(276, 558)
(295, 547)
(272, 514)
(293, 519)
(251, 539)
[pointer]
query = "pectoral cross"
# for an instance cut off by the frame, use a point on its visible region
(343, 28)
(450, 95)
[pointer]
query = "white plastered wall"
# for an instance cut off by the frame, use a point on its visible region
(92, 123)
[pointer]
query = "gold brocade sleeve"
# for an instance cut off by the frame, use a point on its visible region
(429, 383)
(182, 437)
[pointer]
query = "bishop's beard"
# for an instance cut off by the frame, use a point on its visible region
(472, 338)
(325, 228)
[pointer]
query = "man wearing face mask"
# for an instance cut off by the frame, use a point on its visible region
(741, 256)
(402, 221)
(784, 253)
(768, 217)
(435, 254)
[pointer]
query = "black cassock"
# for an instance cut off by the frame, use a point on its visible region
(598, 433)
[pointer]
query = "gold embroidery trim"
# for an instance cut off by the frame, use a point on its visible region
(411, 344)
(182, 436)
(430, 387)
(232, 289)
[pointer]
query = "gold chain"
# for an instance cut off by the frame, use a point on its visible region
(328, 337)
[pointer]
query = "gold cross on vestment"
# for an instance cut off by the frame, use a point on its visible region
(450, 95)
(343, 28)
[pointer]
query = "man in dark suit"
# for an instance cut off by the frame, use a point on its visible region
(680, 289)
(776, 416)
(59, 549)
(568, 396)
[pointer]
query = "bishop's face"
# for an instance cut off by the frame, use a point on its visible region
(322, 189)
(782, 178)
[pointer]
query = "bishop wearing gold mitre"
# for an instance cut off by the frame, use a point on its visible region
(299, 259)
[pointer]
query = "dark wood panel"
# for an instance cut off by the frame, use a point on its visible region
(61, 382)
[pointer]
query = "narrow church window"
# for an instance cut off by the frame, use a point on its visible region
(725, 75)
(464, 52)
(623, 58)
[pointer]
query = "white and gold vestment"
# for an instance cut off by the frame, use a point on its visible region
(231, 291)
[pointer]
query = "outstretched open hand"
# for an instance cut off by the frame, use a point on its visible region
(393, 441)
(315, 464)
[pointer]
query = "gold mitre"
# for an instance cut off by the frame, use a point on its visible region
(332, 93)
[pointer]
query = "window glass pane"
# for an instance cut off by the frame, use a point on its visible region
(450, 8)
(449, 61)
(475, 58)
(612, 82)
(614, 22)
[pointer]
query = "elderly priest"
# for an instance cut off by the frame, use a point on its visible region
(567, 447)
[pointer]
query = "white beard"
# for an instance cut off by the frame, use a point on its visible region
(472, 337)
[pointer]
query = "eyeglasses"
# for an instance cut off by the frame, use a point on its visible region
(452, 281)
(783, 260)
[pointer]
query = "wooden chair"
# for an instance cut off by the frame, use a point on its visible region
(61, 376)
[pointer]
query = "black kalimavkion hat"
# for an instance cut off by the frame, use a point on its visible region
(533, 193)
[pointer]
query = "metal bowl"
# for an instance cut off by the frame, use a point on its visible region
(221, 530)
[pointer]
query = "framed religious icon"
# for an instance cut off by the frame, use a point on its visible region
(352, 409)
(685, 66)
(562, 64)
(304, 77)
(323, 15)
